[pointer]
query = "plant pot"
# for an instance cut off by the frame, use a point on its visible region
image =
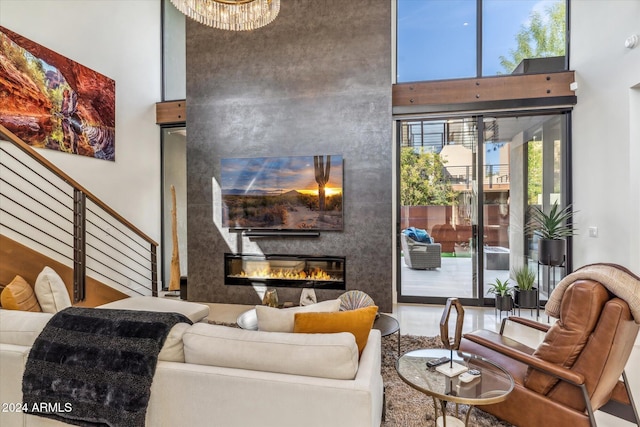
(504, 303)
(526, 299)
(551, 252)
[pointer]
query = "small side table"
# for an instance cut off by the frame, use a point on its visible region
(387, 325)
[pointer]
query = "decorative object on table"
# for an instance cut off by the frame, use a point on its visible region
(451, 369)
(553, 228)
(525, 294)
(352, 300)
(308, 296)
(270, 298)
(502, 290)
(233, 15)
(174, 281)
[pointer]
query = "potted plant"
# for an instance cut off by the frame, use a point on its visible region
(502, 291)
(552, 228)
(525, 294)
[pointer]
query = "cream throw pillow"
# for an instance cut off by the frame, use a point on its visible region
(51, 292)
(281, 320)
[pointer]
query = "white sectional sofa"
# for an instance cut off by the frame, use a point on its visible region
(212, 375)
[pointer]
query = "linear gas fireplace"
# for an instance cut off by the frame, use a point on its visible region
(288, 271)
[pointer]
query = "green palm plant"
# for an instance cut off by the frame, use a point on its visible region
(525, 278)
(500, 288)
(552, 226)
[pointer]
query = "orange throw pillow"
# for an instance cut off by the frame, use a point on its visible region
(19, 295)
(358, 322)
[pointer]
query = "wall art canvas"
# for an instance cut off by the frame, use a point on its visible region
(50, 101)
(282, 193)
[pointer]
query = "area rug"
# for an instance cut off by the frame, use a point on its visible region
(407, 407)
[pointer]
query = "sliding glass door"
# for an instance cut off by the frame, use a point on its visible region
(438, 194)
(468, 183)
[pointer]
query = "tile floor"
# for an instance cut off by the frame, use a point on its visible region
(417, 319)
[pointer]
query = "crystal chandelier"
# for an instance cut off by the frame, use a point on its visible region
(234, 15)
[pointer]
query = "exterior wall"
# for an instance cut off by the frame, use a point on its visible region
(605, 136)
(315, 81)
(120, 39)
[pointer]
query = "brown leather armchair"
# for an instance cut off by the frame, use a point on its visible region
(575, 371)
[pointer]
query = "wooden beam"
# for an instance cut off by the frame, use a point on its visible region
(171, 112)
(548, 86)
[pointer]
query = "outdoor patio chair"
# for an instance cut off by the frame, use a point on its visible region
(420, 256)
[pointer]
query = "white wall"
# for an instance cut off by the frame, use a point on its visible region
(606, 154)
(120, 39)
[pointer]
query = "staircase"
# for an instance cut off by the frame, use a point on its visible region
(48, 218)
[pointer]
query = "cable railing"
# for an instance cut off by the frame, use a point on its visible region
(493, 175)
(43, 208)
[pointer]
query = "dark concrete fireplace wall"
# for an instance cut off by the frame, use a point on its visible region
(315, 81)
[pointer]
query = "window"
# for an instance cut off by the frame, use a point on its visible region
(436, 39)
(439, 39)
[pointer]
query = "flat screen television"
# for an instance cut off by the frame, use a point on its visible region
(282, 193)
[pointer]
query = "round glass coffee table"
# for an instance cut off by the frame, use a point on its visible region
(492, 386)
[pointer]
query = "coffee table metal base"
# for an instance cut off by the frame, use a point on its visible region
(448, 420)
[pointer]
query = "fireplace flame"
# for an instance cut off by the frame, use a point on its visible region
(288, 274)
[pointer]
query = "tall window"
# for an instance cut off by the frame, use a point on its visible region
(448, 39)
(436, 39)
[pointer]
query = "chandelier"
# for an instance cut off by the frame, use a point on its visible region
(234, 15)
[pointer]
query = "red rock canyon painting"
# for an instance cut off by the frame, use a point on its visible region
(50, 101)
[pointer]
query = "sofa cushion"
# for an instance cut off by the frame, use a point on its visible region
(272, 319)
(21, 327)
(193, 311)
(173, 348)
(19, 295)
(315, 355)
(51, 292)
(358, 322)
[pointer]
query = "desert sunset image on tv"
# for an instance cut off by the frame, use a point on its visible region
(282, 193)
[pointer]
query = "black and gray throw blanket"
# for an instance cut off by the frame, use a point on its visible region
(94, 367)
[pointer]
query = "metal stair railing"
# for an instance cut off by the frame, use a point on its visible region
(45, 209)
